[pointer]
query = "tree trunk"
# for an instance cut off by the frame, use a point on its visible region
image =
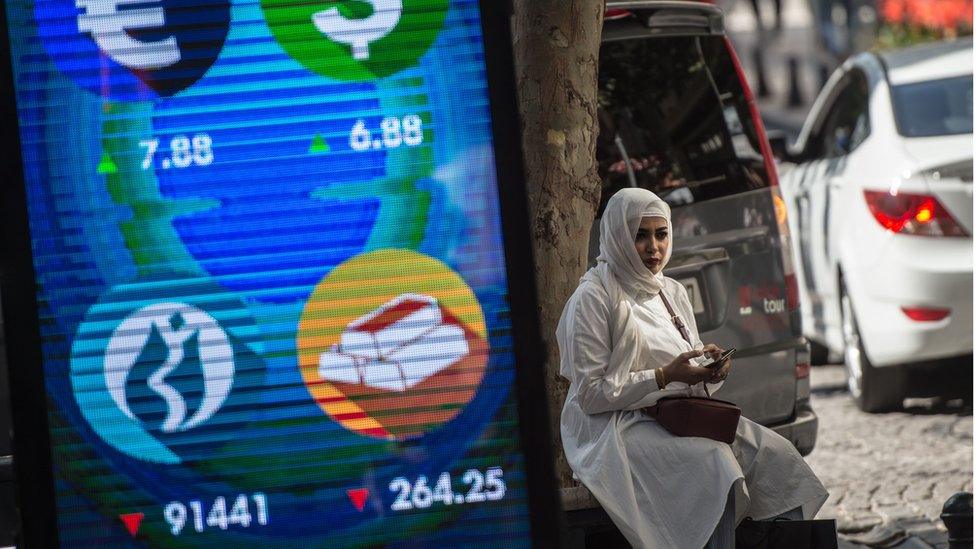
(557, 45)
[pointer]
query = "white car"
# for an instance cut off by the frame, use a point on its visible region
(881, 207)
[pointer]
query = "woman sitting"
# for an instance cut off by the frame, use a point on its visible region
(621, 352)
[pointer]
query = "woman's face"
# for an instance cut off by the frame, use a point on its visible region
(652, 242)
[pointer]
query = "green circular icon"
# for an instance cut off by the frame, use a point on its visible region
(355, 40)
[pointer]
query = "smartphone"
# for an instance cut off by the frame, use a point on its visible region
(717, 363)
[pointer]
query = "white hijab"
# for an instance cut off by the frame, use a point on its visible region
(618, 262)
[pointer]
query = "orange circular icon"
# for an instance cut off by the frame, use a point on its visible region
(392, 344)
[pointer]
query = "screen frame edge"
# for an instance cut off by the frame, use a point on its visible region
(33, 472)
(530, 354)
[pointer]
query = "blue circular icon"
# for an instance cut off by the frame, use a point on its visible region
(130, 50)
(154, 363)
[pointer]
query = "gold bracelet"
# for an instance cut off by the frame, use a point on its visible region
(659, 377)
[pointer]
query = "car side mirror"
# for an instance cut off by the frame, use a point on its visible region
(780, 146)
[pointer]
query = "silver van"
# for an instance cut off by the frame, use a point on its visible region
(677, 117)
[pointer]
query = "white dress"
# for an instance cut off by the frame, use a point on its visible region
(662, 491)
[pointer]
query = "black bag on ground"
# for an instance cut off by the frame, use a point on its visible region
(786, 534)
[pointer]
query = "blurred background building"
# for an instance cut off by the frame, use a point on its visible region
(790, 47)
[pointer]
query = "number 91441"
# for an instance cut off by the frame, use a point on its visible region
(420, 494)
(219, 516)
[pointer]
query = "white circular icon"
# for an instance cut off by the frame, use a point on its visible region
(176, 323)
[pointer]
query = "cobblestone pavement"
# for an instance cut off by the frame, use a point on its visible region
(889, 471)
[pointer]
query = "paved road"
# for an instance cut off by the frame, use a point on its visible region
(889, 472)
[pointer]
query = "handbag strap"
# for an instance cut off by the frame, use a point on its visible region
(680, 325)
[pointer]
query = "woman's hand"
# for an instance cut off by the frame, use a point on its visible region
(721, 372)
(681, 369)
(713, 351)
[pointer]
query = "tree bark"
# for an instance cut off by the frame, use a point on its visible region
(557, 45)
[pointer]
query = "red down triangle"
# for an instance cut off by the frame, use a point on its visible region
(358, 497)
(132, 522)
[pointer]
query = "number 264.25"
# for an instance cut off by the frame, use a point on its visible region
(419, 494)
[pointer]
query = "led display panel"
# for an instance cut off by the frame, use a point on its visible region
(272, 300)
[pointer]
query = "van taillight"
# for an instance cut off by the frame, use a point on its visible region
(802, 369)
(779, 205)
(612, 14)
(765, 149)
(915, 214)
(792, 292)
(786, 250)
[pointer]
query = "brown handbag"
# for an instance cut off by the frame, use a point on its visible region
(695, 416)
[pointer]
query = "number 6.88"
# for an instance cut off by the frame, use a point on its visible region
(409, 133)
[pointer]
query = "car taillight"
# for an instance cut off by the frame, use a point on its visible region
(923, 314)
(915, 214)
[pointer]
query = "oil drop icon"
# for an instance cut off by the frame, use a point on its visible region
(177, 326)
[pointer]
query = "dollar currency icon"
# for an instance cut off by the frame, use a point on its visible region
(109, 27)
(358, 33)
(355, 40)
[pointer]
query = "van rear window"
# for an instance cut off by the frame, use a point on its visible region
(674, 119)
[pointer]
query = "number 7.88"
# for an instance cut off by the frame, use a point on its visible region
(185, 151)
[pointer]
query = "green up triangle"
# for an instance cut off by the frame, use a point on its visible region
(107, 165)
(318, 145)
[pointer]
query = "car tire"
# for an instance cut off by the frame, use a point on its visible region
(873, 389)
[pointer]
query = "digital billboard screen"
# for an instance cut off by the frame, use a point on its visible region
(272, 301)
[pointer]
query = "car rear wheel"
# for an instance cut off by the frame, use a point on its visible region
(873, 389)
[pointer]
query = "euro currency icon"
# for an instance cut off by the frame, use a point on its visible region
(359, 33)
(133, 50)
(109, 28)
